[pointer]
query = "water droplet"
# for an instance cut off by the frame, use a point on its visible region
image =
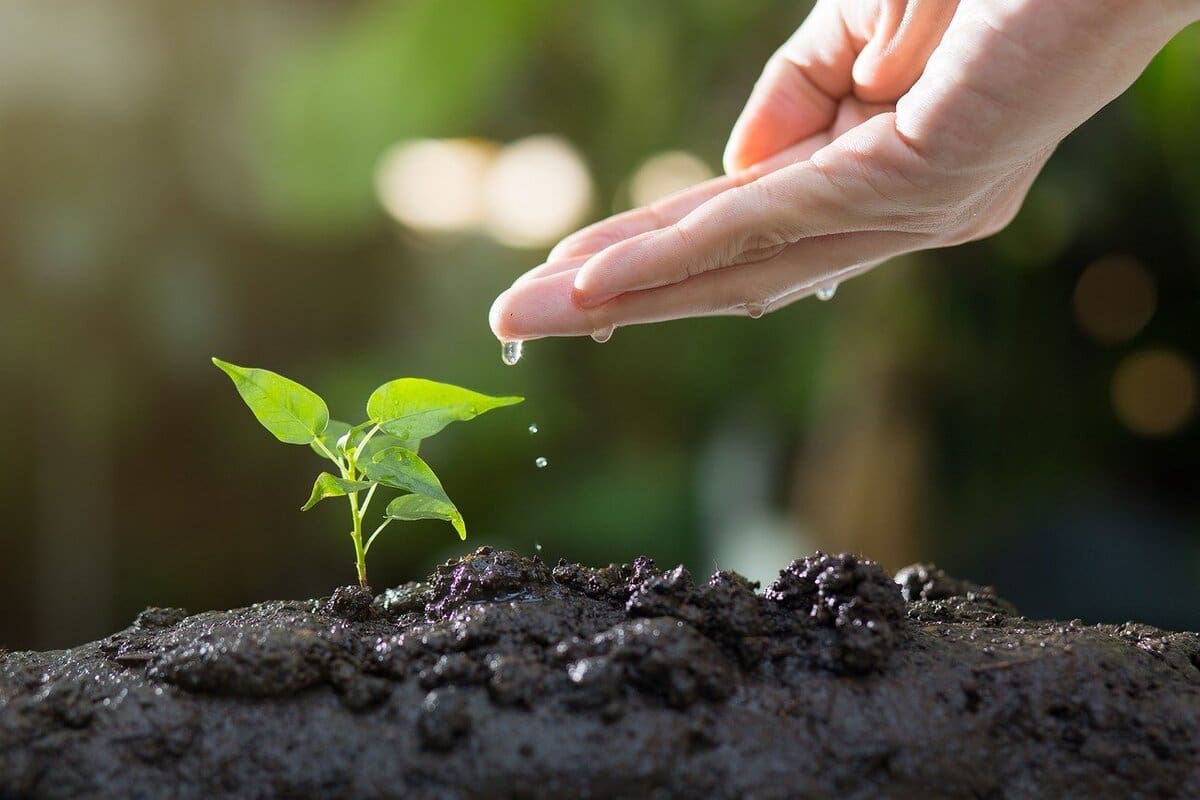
(533, 428)
(827, 291)
(755, 310)
(510, 351)
(603, 335)
(537, 547)
(540, 462)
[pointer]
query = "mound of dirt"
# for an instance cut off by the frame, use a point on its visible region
(501, 676)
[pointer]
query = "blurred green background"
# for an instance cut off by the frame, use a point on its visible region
(337, 190)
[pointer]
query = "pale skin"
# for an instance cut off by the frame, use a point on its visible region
(881, 127)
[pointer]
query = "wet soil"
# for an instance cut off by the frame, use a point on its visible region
(504, 677)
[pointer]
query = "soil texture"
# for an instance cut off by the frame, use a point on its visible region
(501, 676)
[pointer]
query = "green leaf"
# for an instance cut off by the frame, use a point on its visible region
(419, 506)
(383, 441)
(329, 437)
(401, 468)
(352, 437)
(328, 486)
(415, 408)
(332, 439)
(291, 412)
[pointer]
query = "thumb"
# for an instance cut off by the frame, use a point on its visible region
(798, 91)
(902, 37)
(874, 50)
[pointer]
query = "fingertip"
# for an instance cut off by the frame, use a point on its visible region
(611, 271)
(729, 158)
(561, 250)
(551, 267)
(589, 288)
(499, 315)
(733, 159)
(516, 314)
(582, 242)
(581, 284)
(589, 240)
(750, 145)
(538, 308)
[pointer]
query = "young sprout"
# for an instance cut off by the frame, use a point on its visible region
(379, 452)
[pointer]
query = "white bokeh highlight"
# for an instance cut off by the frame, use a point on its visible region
(435, 185)
(537, 191)
(665, 174)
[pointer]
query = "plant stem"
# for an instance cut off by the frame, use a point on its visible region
(362, 512)
(378, 531)
(331, 456)
(362, 445)
(360, 553)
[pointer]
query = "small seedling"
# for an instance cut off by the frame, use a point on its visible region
(379, 452)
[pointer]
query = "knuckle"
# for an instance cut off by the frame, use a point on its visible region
(686, 235)
(920, 157)
(771, 210)
(779, 207)
(831, 173)
(695, 258)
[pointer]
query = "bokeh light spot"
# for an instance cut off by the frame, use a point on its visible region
(665, 174)
(538, 190)
(1154, 392)
(1114, 299)
(435, 185)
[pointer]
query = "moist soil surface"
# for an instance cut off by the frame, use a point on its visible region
(505, 677)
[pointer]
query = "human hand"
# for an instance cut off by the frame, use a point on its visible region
(880, 128)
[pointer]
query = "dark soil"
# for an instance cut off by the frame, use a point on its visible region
(505, 677)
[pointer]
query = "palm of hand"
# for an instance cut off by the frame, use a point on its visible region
(880, 128)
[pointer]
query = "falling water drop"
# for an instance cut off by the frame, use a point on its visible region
(533, 428)
(540, 462)
(538, 547)
(826, 292)
(755, 310)
(510, 351)
(603, 335)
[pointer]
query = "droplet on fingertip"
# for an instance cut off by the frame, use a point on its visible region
(826, 292)
(603, 335)
(755, 310)
(511, 351)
